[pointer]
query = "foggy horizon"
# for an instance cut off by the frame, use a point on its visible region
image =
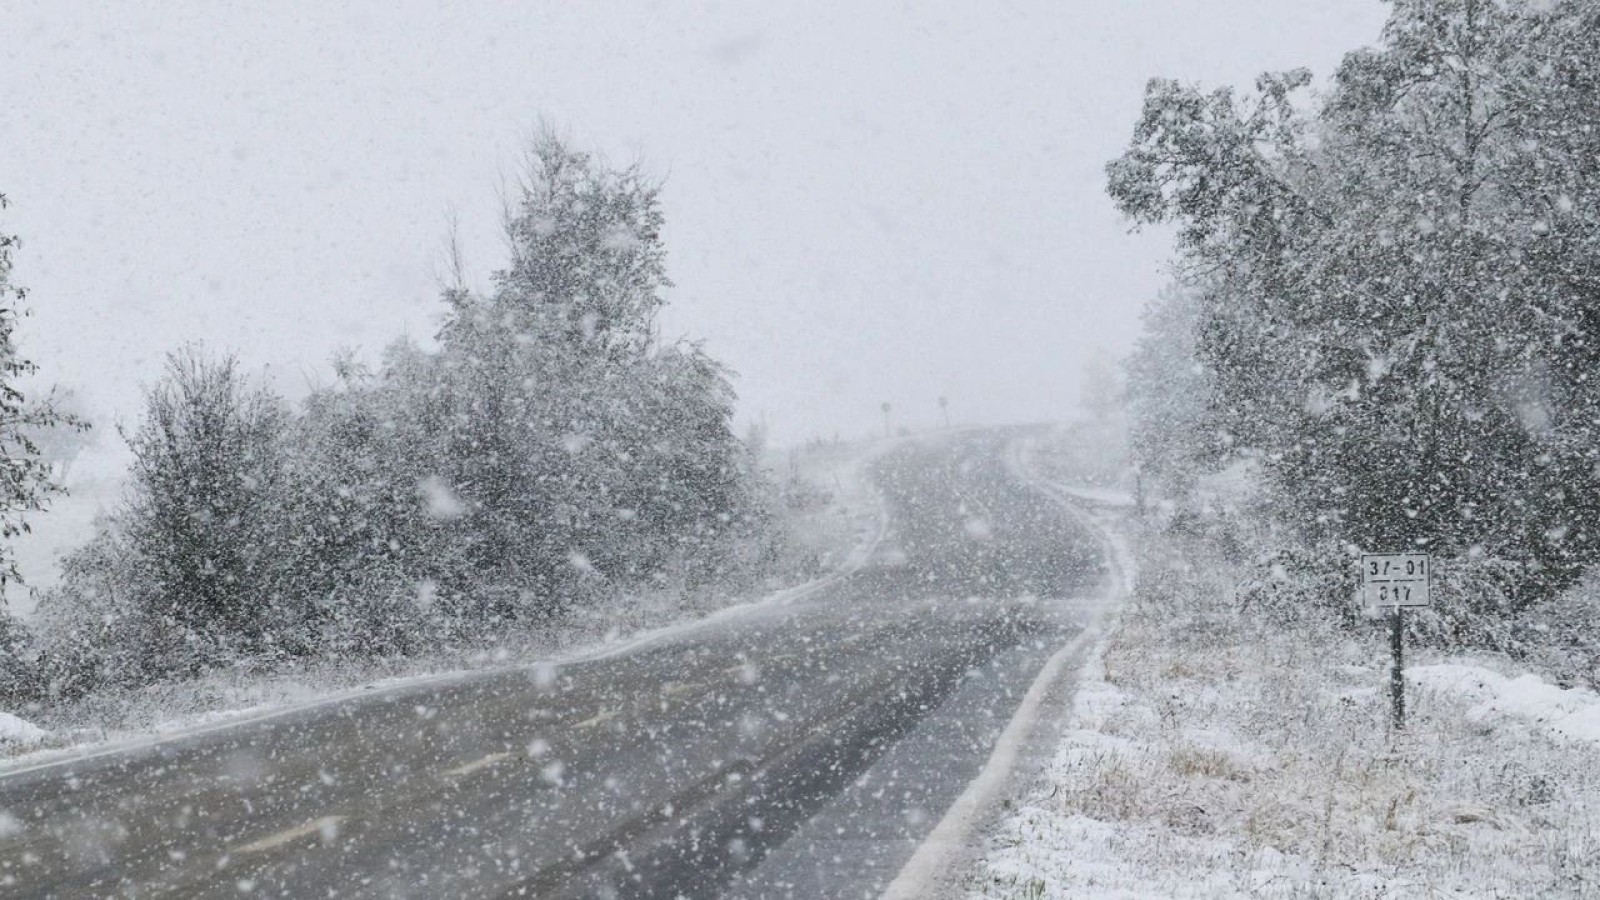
(862, 206)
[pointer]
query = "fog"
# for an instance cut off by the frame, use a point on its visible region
(864, 204)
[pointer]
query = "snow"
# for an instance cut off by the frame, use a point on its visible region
(1211, 754)
(847, 528)
(1099, 495)
(1571, 714)
(16, 732)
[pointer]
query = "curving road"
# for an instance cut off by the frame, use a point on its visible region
(799, 748)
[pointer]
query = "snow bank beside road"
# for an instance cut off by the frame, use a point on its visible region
(1571, 714)
(18, 733)
(1100, 496)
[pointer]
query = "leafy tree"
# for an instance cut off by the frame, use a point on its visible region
(25, 475)
(685, 486)
(1173, 423)
(1395, 290)
(587, 263)
(356, 459)
(582, 451)
(203, 521)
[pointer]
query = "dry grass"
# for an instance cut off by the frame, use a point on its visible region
(1220, 755)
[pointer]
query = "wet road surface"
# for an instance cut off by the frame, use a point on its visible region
(799, 748)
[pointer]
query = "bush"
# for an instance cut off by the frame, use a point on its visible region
(1562, 635)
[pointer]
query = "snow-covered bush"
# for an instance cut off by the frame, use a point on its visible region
(204, 524)
(1471, 607)
(549, 457)
(89, 631)
(21, 675)
(1562, 635)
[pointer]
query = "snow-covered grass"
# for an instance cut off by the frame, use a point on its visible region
(834, 510)
(1214, 753)
(826, 536)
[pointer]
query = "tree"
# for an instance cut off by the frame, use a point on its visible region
(61, 443)
(25, 475)
(686, 484)
(587, 263)
(1101, 393)
(358, 458)
(1171, 396)
(579, 452)
(204, 520)
(1395, 290)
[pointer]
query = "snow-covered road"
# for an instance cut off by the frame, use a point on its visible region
(802, 748)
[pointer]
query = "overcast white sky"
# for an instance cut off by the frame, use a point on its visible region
(866, 201)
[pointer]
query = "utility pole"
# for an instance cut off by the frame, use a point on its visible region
(944, 407)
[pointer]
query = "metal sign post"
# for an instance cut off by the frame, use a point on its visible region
(1397, 677)
(1397, 580)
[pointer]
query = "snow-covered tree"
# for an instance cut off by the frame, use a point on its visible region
(203, 521)
(1101, 392)
(358, 459)
(587, 263)
(584, 450)
(1173, 425)
(25, 475)
(1396, 279)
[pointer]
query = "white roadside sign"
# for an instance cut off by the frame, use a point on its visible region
(1395, 579)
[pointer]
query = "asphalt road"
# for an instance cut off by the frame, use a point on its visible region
(796, 749)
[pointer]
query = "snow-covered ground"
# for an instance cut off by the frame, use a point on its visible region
(834, 534)
(1521, 701)
(1214, 754)
(844, 514)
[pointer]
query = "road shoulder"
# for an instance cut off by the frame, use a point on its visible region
(1213, 752)
(939, 866)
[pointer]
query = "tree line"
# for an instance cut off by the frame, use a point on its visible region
(550, 453)
(1389, 299)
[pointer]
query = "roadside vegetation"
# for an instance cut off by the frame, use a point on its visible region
(1387, 315)
(1382, 338)
(550, 467)
(1224, 743)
